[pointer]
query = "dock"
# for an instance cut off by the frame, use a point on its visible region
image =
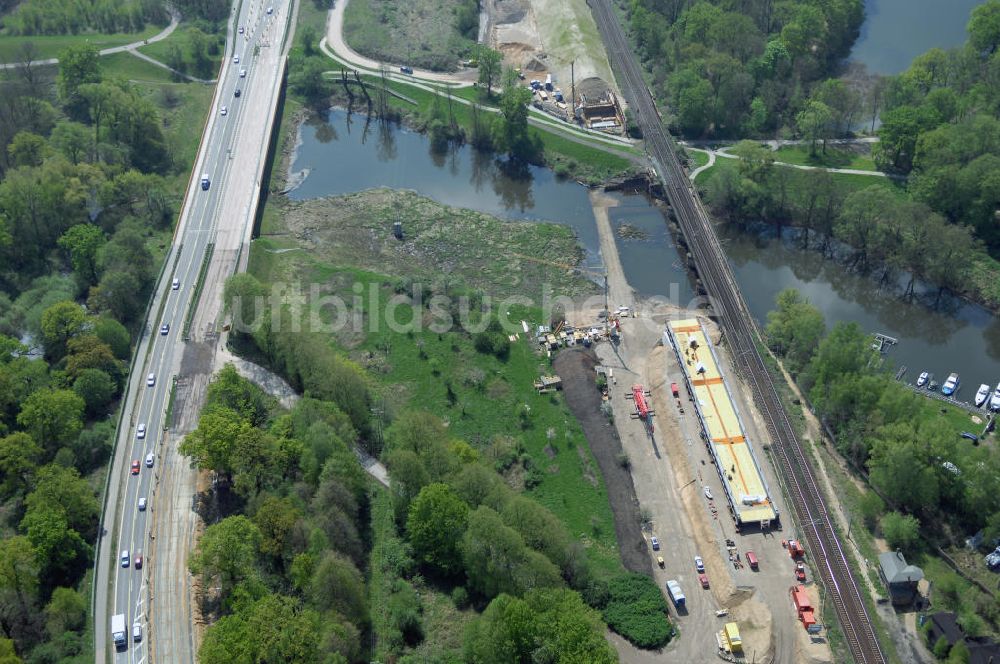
(722, 428)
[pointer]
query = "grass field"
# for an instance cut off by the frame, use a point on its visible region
(420, 33)
(49, 46)
(181, 38)
(697, 158)
(135, 69)
(480, 396)
(834, 157)
(848, 179)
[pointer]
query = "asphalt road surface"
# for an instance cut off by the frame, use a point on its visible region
(230, 154)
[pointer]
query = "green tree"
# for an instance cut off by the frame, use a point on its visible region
(436, 523)
(72, 139)
(984, 27)
(86, 351)
(901, 467)
(19, 459)
(244, 296)
(814, 123)
(497, 560)
(7, 653)
(306, 79)
(78, 65)
(61, 550)
(794, 329)
(52, 417)
(65, 612)
(959, 653)
(82, 243)
(338, 585)
(510, 133)
(489, 66)
(275, 518)
(232, 391)
(27, 149)
(227, 552)
(211, 445)
(62, 490)
(96, 388)
(115, 336)
(901, 531)
(19, 576)
(273, 628)
(551, 625)
(60, 323)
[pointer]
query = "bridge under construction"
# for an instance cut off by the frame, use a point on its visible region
(721, 426)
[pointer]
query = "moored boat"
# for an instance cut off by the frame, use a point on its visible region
(923, 378)
(982, 395)
(950, 386)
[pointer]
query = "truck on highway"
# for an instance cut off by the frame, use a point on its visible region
(676, 594)
(118, 633)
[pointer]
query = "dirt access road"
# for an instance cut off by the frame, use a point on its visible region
(669, 468)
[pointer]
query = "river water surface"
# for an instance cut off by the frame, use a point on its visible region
(896, 31)
(341, 157)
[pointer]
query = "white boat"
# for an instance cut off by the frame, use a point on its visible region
(950, 386)
(982, 394)
(923, 378)
(995, 399)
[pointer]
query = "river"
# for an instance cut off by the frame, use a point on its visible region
(896, 31)
(341, 157)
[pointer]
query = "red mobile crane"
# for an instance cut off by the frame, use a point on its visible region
(643, 411)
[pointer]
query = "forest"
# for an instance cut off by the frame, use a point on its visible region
(932, 487)
(57, 17)
(451, 521)
(87, 187)
(734, 69)
(939, 138)
(941, 126)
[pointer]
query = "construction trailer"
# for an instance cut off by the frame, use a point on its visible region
(731, 638)
(803, 606)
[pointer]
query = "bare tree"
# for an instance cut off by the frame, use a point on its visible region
(26, 56)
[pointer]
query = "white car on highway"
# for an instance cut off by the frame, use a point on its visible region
(151, 380)
(140, 431)
(236, 59)
(243, 73)
(149, 460)
(125, 558)
(142, 504)
(224, 111)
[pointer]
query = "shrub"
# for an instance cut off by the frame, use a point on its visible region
(636, 610)
(460, 597)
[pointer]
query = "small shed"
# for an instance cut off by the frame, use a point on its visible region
(944, 623)
(900, 578)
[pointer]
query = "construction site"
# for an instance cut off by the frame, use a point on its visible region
(561, 58)
(659, 375)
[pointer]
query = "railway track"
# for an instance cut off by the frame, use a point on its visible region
(727, 301)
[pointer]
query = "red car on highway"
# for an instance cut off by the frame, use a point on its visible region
(135, 466)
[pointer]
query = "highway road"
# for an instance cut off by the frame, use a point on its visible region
(232, 149)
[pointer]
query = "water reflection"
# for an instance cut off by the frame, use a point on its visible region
(937, 335)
